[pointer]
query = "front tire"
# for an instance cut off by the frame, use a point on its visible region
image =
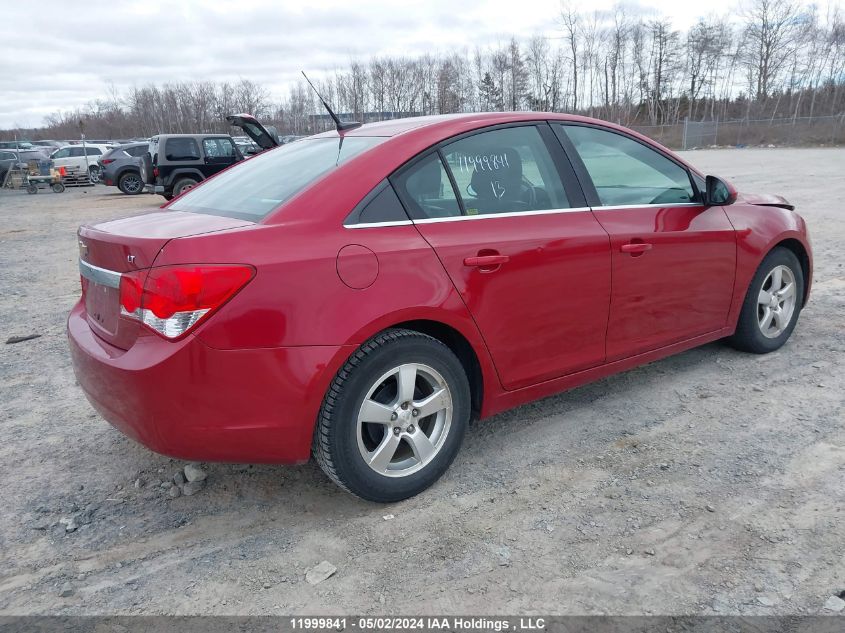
(772, 304)
(394, 417)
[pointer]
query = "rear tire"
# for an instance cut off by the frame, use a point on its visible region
(57, 187)
(94, 174)
(130, 183)
(415, 394)
(182, 185)
(772, 304)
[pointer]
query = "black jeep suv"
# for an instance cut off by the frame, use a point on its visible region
(177, 162)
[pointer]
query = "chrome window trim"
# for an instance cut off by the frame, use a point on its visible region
(99, 275)
(516, 214)
(622, 207)
(372, 225)
(509, 214)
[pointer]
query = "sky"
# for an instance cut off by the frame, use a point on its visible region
(59, 55)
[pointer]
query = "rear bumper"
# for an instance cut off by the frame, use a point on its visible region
(191, 401)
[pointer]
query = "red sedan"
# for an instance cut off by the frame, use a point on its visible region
(360, 295)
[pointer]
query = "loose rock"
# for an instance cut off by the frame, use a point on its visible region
(192, 487)
(765, 601)
(194, 473)
(20, 339)
(174, 491)
(321, 572)
(69, 523)
(835, 604)
(179, 478)
(66, 590)
(709, 508)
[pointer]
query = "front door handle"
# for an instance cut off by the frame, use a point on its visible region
(486, 261)
(635, 248)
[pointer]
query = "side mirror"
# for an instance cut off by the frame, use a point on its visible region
(719, 192)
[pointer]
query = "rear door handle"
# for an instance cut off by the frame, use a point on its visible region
(486, 261)
(636, 248)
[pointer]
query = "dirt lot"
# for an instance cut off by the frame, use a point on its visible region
(711, 482)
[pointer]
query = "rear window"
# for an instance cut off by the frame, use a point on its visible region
(251, 190)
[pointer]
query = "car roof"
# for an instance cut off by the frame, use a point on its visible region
(425, 131)
(394, 127)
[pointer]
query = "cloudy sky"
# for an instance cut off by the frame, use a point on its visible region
(58, 55)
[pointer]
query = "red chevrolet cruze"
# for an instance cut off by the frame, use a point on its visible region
(360, 295)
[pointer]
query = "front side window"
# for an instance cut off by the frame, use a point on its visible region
(626, 172)
(505, 170)
(181, 149)
(254, 188)
(62, 153)
(76, 152)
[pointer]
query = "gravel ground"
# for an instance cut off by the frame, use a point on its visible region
(710, 482)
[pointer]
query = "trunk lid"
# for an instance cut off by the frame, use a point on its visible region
(110, 248)
(264, 137)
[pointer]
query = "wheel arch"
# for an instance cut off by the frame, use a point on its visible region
(460, 346)
(800, 251)
(184, 172)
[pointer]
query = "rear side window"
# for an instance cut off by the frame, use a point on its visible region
(76, 152)
(380, 205)
(426, 189)
(626, 172)
(93, 151)
(181, 149)
(138, 150)
(254, 188)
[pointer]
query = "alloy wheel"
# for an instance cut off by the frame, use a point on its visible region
(132, 183)
(404, 420)
(776, 301)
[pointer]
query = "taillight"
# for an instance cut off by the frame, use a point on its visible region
(171, 300)
(106, 161)
(155, 172)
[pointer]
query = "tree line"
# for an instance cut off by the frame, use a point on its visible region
(772, 59)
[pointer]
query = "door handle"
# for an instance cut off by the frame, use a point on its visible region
(486, 261)
(637, 248)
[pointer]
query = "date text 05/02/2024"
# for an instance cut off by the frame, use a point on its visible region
(434, 623)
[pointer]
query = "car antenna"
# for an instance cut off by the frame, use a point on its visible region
(340, 125)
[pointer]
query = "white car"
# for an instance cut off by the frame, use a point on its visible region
(75, 156)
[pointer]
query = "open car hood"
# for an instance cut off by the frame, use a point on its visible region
(766, 200)
(264, 137)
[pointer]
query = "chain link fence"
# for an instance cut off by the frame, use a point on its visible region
(823, 130)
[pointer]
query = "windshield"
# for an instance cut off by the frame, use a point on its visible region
(252, 190)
